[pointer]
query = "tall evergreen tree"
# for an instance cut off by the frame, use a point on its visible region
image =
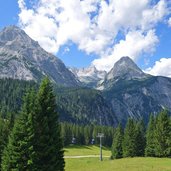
(163, 135)
(117, 151)
(17, 154)
(150, 137)
(129, 142)
(47, 143)
(87, 134)
(140, 138)
(35, 142)
(66, 133)
(4, 131)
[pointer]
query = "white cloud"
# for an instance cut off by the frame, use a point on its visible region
(161, 67)
(135, 44)
(93, 25)
(169, 22)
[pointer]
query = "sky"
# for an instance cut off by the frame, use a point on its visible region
(97, 32)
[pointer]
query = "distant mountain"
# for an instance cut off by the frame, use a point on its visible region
(90, 76)
(124, 69)
(23, 58)
(132, 93)
(125, 91)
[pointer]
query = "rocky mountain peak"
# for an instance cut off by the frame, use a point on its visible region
(89, 76)
(125, 68)
(22, 58)
(14, 33)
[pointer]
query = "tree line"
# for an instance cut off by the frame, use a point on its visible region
(86, 134)
(136, 140)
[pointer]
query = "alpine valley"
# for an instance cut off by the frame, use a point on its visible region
(83, 95)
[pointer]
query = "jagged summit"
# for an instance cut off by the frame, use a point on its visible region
(89, 76)
(125, 68)
(22, 58)
(14, 33)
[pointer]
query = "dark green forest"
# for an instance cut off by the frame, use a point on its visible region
(24, 104)
(76, 105)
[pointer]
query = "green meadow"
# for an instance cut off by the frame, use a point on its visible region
(126, 164)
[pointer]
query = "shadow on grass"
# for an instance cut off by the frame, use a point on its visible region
(78, 147)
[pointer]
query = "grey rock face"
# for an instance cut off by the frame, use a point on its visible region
(23, 58)
(135, 94)
(125, 69)
(90, 76)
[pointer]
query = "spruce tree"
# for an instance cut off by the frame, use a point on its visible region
(117, 151)
(4, 131)
(35, 143)
(163, 135)
(48, 152)
(150, 137)
(87, 134)
(17, 154)
(129, 142)
(140, 138)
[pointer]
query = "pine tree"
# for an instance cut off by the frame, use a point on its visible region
(17, 154)
(87, 134)
(117, 151)
(35, 142)
(66, 133)
(140, 138)
(163, 135)
(47, 143)
(150, 138)
(4, 131)
(129, 142)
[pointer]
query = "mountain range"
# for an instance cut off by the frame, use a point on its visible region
(22, 58)
(85, 94)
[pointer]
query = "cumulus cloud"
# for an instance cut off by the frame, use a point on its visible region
(135, 44)
(161, 67)
(94, 26)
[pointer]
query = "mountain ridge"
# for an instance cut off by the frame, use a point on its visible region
(22, 57)
(125, 91)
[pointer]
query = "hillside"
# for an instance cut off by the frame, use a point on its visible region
(76, 105)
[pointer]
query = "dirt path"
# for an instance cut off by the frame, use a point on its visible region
(87, 156)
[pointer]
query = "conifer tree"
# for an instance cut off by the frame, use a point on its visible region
(129, 142)
(17, 154)
(117, 151)
(66, 133)
(150, 138)
(4, 131)
(87, 134)
(48, 152)
(35, 143)
(140, 138)
(163, 135)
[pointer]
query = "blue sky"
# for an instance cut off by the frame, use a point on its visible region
(97, 32)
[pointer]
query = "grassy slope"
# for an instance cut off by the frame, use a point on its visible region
(128, 164)
(85, 150)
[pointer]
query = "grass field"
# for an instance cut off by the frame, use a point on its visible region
(85, 150)
(127, 164)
